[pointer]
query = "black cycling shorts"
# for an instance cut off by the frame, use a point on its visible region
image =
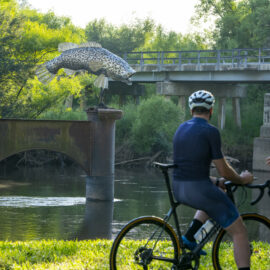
(204, 195)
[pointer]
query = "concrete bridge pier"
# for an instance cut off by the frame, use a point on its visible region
(221, 92)
(100, 182)
(261, 146)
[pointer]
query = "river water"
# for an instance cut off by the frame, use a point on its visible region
(49, 203)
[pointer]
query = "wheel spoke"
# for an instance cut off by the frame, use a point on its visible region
(141, 245)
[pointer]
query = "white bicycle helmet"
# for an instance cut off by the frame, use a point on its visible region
(201, 98)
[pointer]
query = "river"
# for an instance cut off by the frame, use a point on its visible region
(49, 203)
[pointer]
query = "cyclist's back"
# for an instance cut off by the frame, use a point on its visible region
(196, 143)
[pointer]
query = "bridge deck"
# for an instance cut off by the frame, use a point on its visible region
(239, 65)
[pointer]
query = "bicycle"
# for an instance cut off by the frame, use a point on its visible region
(150, 242)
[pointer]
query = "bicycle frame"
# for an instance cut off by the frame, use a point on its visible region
(172, 212)
(184, 258)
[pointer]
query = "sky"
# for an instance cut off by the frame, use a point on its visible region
(173, 15)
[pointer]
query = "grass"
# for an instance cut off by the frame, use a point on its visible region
(87, 254)
(54, 254)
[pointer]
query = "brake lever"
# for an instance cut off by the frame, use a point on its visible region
(261, 192)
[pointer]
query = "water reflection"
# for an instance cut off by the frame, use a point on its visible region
(50, 203)
(25, 201)
(97, 221)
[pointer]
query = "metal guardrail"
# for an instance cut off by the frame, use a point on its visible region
(238, 58)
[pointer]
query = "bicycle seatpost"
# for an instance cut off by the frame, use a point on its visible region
(168, 184)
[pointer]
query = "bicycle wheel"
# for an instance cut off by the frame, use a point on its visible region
(145, 243)
(258, 228)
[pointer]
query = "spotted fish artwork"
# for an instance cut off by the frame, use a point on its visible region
(89, 57)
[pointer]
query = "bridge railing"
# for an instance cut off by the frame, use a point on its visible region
(238, 58)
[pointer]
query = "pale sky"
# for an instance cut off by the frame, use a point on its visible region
(171, 14)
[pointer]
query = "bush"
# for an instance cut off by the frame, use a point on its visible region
(124, 126)
(62, 113)
(155, 124)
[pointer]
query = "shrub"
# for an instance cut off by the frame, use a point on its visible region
(155, 124)
(124, 126)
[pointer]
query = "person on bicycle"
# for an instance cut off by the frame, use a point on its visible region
(196, 144)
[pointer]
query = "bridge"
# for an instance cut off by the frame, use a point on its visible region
(89, 143)
(223, 66)
(223, 72)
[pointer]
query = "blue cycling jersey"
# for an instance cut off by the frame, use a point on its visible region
(196, 143)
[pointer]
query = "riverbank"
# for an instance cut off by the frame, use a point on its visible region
(72, 255)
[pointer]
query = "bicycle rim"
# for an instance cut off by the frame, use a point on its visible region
(258, 228)
(141, 242)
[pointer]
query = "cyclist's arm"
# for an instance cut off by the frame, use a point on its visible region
(226, 171)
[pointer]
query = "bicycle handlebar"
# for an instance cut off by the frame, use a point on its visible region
(261, 187)
(229, 185)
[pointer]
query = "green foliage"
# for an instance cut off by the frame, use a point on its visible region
(43, 32)
(239, 24)
(155, 124)
(119, 39)
(124, 126)
(63, 114)
(238, 142)
(27, 39)
(140, 36)
(171, 41)
(15, 65)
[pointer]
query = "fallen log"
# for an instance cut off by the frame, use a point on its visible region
(131, 161)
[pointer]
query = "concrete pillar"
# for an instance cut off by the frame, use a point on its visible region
(261, 147)
(220, 91)
(236, 109)
(122, 100)
(100, 182)
(136, 100)
(182, 102)
(222, 112)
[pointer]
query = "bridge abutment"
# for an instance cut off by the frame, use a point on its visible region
(261, 146)
(221, 92)
(90, 143)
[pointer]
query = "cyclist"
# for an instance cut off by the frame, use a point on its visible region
(196, 144)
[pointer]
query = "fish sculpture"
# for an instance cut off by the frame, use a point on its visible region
(89, 57)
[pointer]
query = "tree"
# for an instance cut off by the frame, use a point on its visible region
(14, 64)
(119, 40)
(155, 124)
(162, 40)
(239, 24)
(27, 38)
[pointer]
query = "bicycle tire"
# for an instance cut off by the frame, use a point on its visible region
(258, 228)
(131, 250)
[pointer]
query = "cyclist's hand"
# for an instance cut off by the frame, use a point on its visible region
(246, 176)
(222, 183)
